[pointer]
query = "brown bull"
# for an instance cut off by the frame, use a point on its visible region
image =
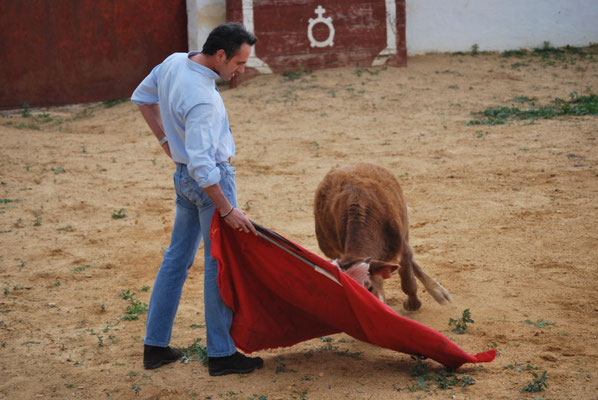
(361, 222)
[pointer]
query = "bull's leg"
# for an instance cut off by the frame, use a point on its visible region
(378, 287)
(408, 282)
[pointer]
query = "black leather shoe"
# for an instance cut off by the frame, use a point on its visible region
(154, 357)
(236, 364)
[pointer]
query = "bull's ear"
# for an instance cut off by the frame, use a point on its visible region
(382, 268)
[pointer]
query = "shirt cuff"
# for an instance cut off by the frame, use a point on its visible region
(211, 178)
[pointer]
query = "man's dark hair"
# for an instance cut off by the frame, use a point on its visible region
(228, 37)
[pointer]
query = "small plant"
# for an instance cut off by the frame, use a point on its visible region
(100, 338)
(360, 71)
(82, 268)
(86, 113)
(135, 307)
(136, 389)
(44, 118)
(281, 366)
(25, 113)
(32, 127)
(294, 75)
(576, 106)
(119, 214)
(420, 368)
(114, 102)
(475, 49)
(195, 352)
(538, 384)
(460, 325)
(58, 170)
(133, 310)
(540, 323)
(444, 379)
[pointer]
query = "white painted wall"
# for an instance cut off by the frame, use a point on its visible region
(456, 25)
(202, 17)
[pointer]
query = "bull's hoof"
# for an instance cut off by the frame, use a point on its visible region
(412, 304)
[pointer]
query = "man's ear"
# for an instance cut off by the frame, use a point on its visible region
(382, 268)
(220, 55)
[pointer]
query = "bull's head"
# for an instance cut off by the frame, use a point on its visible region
(367, 272)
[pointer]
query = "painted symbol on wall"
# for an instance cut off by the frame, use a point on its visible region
(326, 21)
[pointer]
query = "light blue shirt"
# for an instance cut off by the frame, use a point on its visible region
(193, 114)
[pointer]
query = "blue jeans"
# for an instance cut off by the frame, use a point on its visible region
(194, 211)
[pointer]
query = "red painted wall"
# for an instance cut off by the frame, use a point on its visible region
(359, 32)
(55, 52)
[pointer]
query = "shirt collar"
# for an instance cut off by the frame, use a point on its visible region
(205, 71)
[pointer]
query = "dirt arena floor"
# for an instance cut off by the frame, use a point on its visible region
(504, 216)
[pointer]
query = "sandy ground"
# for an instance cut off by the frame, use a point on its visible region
(505, 217)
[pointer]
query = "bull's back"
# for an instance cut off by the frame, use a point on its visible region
(357, 197)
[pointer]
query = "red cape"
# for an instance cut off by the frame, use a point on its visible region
(282, 294)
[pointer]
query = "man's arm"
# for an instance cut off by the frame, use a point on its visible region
(151, 114)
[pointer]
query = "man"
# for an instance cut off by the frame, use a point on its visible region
(181, 103)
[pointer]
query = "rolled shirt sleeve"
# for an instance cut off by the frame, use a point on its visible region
(147, 91)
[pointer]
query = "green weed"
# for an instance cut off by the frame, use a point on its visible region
(100, 337)
(294, 75)
(86, 113)
(136, 389)
(135, 307)
(444, 379)
(25, 113)
(539, 323)
(119, 214)
(576, 106)
(82, 268)
(550, 54)
(32, 127)
(460, 324)
(538, 384)
(114, 102)
(360, 71)
(280, 365)
(519, 366)
(195, 352)
(44, 118)
(6, 201)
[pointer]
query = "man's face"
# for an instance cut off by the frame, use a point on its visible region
(227, 69)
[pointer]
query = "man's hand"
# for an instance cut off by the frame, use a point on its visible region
(166, 148)
(238, 220)
(233, 217)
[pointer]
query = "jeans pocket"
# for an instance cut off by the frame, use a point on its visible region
(228, 170)
(188, 188)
